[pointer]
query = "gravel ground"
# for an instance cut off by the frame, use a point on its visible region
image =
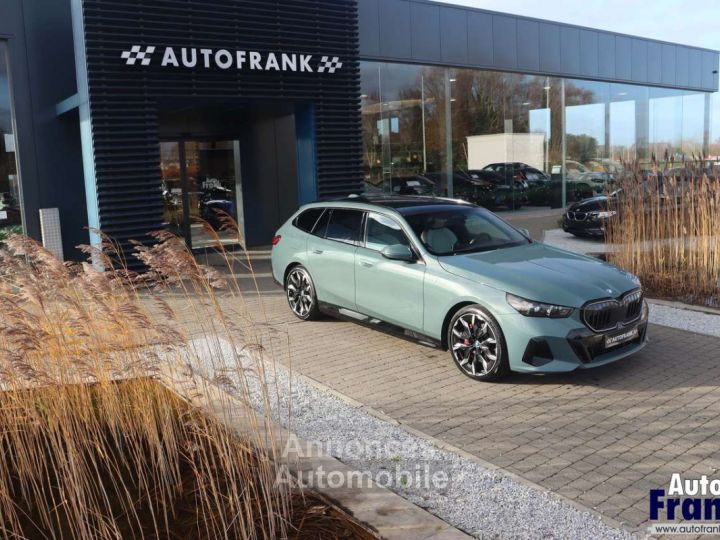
(480, 501)
(685, 319)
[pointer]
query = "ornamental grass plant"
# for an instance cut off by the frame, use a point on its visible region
(667, 230)
(93, 447)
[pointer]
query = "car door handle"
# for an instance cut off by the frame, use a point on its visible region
(366, 264)
(318, 251)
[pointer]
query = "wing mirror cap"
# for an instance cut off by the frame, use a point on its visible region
(398, 252)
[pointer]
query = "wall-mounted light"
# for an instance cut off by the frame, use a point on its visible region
(453, 79)
(363, 96)
(526, 103)
(452, 99)
(547, 87)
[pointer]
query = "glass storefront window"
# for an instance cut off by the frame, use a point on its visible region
(587, 161)
(10, 194)
(404, 127)
(507, 140)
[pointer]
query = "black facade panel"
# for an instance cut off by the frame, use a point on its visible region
(606, 55)
(570, 49)
(504, 36)
(667, 68)
(453, 35)
(550, 48)
(695, 67)
(654, 62)
(639, 62)
(589, 57)
(682, 73)
(368, 14)
(527, 44)
(124, 99)
(425, 19)
(709, 68)
(623, 58)
(480, 48)
(395, 34)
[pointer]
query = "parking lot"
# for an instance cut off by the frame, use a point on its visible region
(601, 437)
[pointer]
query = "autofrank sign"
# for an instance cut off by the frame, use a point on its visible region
(191, 58)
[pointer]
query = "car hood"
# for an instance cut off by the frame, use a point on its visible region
(600, 202)
(542, 273)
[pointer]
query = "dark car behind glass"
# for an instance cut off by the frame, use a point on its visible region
(590, 217)
(412, 185)
(519, 171)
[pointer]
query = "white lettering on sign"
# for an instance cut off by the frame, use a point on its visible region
(188, 57)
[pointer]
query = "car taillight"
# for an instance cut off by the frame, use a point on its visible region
(276, 240)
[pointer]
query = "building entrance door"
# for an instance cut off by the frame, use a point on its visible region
(202, 189)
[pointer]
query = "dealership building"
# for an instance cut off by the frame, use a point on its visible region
(130, 116)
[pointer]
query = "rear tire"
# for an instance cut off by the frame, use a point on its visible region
(300, 294)
(477, 344)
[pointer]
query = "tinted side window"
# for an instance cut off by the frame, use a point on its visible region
(383, 231)
(322, 223)
(306, 221)
(344, 225)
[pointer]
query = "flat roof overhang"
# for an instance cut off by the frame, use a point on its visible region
(425, 32)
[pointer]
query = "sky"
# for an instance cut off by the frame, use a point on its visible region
(690, 22)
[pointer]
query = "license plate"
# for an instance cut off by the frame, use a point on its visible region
(623, 337)
(3, 215)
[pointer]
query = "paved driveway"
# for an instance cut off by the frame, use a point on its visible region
(602, 437)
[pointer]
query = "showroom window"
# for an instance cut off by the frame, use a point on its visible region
(10, 195)
(509, 140)
(405, 132)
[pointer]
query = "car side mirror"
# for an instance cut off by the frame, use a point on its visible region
(524, 231)
(398, 252)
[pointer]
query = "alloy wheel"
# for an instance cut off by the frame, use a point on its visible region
(474, 344)
(300, 292)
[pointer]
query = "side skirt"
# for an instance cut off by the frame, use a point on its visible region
(377, 324)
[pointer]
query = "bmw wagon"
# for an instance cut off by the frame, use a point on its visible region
(456, 276)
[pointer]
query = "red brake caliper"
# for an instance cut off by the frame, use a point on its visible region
(468, 341)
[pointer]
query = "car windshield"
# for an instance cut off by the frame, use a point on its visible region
(462, 229)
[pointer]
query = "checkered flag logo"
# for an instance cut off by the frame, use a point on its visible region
(137, 54)
(329, 64)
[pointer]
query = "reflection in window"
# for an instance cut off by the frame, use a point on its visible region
(10, 194)
(383, 231)
(404, 127)
(477, 133)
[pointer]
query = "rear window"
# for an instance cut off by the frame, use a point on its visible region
(344, 225)
(306, 221)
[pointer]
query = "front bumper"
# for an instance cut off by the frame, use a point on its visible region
(588, 227)
(542, 345)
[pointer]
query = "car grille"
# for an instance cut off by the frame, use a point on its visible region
(577, 216)
(605, 315)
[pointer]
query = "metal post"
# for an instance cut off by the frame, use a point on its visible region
(422, 115)
(448, 134)
(562, 121)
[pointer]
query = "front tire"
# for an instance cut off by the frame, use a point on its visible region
(300, 293)
(477, 344)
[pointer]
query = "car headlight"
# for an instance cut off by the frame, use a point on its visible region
(603, 215)
(530, 308)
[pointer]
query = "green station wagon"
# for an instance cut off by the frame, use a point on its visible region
(456, 276)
